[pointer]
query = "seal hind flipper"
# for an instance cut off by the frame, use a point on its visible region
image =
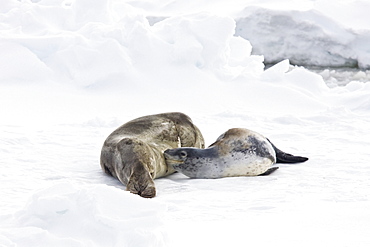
(269, 171)
(282, 157)
(288, 158)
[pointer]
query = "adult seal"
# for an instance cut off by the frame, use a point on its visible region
(133, 153)
(237, 152)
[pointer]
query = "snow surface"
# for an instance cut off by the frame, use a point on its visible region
(71, 72)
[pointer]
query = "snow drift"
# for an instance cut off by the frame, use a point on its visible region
(305, 37)
(313, 33)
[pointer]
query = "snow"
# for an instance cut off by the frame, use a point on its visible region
(73, 71)
(284, 29)
(281, 34)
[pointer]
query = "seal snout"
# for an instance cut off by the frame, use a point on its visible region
(175, 156)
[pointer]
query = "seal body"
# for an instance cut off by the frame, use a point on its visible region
(237, 152)
(133, 153)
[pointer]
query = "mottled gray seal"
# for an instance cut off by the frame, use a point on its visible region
(133, 153)
(237, 152)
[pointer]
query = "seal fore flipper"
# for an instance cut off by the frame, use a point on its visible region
(282, 157)
(269, 171)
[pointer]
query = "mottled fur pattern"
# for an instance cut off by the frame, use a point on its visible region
(133, 153)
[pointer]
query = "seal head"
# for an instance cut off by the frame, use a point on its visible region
(194, 162)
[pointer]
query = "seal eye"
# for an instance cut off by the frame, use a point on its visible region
(183, 154)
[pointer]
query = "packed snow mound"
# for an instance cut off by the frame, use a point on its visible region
(97, 215)
(315, 33)
(304, 37)
(75, 43)
(80, 44)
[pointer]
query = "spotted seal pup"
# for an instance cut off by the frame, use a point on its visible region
(133, 153)
(237, 152)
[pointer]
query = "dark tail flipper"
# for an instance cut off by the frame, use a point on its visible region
(282, 157)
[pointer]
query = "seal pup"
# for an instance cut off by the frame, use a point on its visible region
(133, 153)
(237, 152)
